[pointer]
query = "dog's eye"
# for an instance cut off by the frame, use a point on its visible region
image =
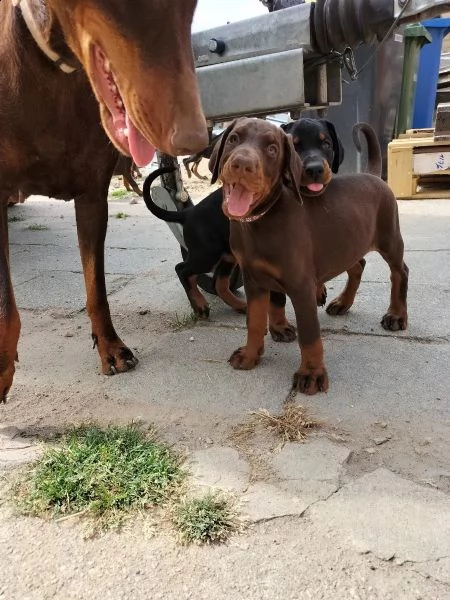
(272, 149)
(233, 138)
(326, 144)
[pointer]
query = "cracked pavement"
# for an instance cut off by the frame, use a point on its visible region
(361, 510)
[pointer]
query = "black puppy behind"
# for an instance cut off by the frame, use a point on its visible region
(206, 230)
(321, 151)
(206, 233)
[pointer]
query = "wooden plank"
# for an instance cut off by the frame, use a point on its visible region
(428, 195)
(400, 175)
(417, 133)
(420, 143)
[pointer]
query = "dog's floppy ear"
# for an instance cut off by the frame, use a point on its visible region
(338, 148)
(293, 166)
(216, 154)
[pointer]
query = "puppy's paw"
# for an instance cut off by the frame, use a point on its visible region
(201, 310)
(283, 333)
(240, 359)
(394, 323)
(337, 307)
(310, 381)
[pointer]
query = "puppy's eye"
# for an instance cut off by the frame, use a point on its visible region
(272, 149)
(233, 138)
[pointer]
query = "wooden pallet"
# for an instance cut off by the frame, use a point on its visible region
(414, 167)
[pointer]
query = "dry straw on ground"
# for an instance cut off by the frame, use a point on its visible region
(292, 424)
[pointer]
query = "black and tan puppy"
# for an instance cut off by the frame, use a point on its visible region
(319, 147)
(289, 245)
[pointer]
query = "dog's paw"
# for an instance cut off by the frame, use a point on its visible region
(115, 357)
(394, 323)
(310, 381)
(337, 307)
(201, 312)
(285, 333)
(241, 360)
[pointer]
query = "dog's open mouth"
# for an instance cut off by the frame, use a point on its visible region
(239, 200)
(119, 125)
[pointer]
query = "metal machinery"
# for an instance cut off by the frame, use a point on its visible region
(288, 60)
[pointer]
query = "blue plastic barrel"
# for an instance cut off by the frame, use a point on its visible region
(428, 74)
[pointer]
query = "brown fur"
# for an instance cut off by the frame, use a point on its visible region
(52, 142)
(305, 243)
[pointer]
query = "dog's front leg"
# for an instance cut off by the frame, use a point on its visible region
(92, 218)
(280, 328)
(9, 316)
(248, 356)
(311, 376)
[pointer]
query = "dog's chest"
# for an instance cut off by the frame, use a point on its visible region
(260, 248)
(52, 142)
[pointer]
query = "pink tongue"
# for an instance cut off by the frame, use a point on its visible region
(239, 201)
(315, 187)
(141, 151)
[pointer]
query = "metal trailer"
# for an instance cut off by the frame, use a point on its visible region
(286, 61)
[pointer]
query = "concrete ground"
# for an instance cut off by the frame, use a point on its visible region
(361, 510)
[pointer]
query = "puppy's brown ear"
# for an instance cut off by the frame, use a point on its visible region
(292, 167)
(216, 154)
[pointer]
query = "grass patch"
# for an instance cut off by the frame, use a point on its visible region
(207, 520)
(119, 193)
(182, 321)
(122, 215)
(37, 227)
(101, 473)
(15, 219)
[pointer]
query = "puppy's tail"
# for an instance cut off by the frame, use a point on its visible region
(170, 216)
(374, 162)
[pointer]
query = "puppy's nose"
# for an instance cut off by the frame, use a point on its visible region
(314, 170)
(243, 165)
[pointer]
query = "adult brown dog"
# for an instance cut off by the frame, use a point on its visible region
(71, 70)
(293, 246)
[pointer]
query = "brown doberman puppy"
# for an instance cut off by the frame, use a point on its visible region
(293, 246)
(76, 75)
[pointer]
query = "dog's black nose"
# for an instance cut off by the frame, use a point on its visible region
(314, 170)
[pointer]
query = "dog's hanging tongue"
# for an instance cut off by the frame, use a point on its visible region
(141, 151)
(123, 130)
(239, 200)
(315, 187)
